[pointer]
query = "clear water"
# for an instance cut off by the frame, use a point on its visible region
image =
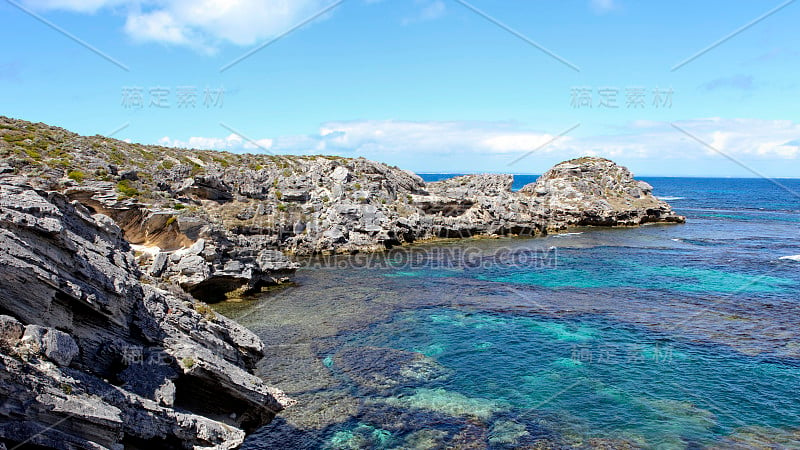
(681, 336)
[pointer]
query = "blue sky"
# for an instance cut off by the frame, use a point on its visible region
(429, 85)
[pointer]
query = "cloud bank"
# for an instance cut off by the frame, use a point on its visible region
(197, 23)
(493, 146)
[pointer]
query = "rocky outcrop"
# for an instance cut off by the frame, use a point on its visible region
(596, 191)
(214, 222)
(92, 358)
(206, 260)
(101, 347)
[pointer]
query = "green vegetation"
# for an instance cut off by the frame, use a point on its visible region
(197, 169)
(178, 206)
(357, 185)
(278, 195)
(124, 187)
(77, 176)
(33, 154)
(222, 162)
(148, 156)
(13, 138)
(282, 207)
(188, 362)
(66, 388)
(171, 220)
(63, 162)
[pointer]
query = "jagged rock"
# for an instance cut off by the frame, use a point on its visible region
(181, 376)
(490, 185)
(10, 331)
(207, 188)
(296, 195)
(150, 378)
(130, 175)
(193, 270)
(56, 345)
(596, 191)
(241, 205)
(159, 264)
(341, 174)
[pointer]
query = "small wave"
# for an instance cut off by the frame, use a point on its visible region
(677, 240)
(791, 258)
(567, 234)
(668, 198)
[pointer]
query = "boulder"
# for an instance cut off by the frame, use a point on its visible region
(159, 264)
(207, 188)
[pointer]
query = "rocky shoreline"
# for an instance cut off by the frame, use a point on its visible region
(108, 246)
(215, 222)
(93, 358)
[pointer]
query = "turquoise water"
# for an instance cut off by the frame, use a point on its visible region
(663, 337)
(597, 379)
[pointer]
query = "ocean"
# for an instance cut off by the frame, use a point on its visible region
(663, 336)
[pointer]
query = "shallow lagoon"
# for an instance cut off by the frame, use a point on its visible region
(657, 337)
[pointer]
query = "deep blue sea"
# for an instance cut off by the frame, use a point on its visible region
(664, 336)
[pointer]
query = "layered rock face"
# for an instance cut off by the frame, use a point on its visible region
(215, 222)
(94, 355)
(596, 191)
(92, 358)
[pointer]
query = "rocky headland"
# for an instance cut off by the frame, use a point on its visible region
(215, 222)
(108, 248)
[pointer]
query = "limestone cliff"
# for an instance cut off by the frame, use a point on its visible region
(92, 358)
(101, 347)
(215, 222)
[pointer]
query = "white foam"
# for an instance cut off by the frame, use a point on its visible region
(791, 258)
(567, 234)
(668, 198)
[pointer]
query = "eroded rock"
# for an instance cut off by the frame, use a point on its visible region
(242, 206)
(105, 360)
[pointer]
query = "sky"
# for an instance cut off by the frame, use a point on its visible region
(679, 88)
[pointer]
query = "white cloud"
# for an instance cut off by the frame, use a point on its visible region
(392, 136)
(157, 26)
(492, 146)
(232, 143)
(509, 143)
(199, 23)
(748, 138)
(204, 24)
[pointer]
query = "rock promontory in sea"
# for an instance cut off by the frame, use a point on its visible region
(109, 248)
